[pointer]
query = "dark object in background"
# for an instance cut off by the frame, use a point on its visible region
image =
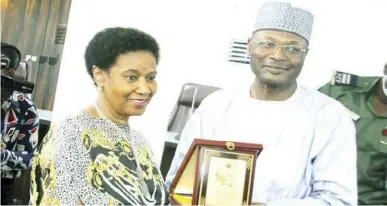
(6, 191)
(10, 59)
(9, 85)
(191, 96)
(12, 53)
(25, 87)
(5, 62)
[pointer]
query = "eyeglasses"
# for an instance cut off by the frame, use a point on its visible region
(272, 46)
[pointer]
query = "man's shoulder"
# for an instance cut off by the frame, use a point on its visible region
(321, 101)
(342, 82)
(325, 107)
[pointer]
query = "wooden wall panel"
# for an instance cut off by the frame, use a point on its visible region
(24, 24)
(48, 75)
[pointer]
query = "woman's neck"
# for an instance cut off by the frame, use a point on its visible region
(104, 110)
(272, 93)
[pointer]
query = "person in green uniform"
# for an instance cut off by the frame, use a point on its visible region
(366, 101)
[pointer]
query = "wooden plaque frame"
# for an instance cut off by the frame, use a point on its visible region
(190, 183)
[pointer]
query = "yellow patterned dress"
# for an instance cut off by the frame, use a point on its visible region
(86, 159)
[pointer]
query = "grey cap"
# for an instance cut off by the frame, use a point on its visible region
(284, 17)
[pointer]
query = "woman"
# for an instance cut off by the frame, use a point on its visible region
(94, 157)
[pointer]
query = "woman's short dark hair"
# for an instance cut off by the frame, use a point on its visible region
(105, 47)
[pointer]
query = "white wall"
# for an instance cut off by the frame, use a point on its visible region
(194, 37)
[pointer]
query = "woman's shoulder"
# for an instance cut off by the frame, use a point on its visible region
(71, 124)
(69, 128)
(79, 121)
(138, 137)
(140, 140)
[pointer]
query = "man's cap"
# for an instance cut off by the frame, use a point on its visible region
(284, 17)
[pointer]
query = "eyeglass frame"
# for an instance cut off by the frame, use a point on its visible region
(282, 46)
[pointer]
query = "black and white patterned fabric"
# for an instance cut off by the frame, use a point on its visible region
(87, 159)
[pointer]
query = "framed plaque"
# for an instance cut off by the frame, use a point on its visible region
(216, 173)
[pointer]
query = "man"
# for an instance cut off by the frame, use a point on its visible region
(309, 155)
(19, 125)
(366, 101)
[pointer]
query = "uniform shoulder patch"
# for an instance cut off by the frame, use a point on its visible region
(344, 79)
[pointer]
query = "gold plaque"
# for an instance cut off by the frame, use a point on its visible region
(223, 177)
(216, 173)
